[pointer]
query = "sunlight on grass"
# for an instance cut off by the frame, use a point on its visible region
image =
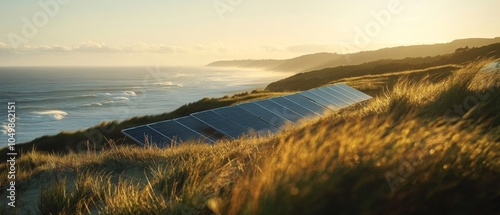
(407, 151)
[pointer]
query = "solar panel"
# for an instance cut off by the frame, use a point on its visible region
(177, 132)
(347, 93)
(348, 101)
(261, 116)
(319, 100)
(351, 99)
(280, 110)
(307, 103)
(264, 114)
(200, 127)
(146, 135)
(354, 91)
(334, 100)
(246, 119)
(309, 114)
(221, 123)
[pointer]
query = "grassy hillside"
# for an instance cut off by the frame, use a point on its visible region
(308, 80)
(320, 61)
(423, 147)
(95, 137)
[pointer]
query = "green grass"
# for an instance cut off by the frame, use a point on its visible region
(402, 152)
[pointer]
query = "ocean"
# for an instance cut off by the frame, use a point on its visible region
(54, 99)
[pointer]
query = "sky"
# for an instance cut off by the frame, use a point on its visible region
(197, 32)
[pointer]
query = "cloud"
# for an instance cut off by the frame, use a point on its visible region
(55, 48)
(94, 47)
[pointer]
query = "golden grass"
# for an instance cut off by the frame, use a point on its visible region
(403, 152)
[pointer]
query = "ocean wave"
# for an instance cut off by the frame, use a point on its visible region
(56, 114)
(5, 129)
(129, 93)
(92, 105)
(120, 98)
(90, 89)
(54, 98)
(118, 94)
(168, 84)
(180, 75)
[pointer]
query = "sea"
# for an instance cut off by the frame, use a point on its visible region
(49, 100)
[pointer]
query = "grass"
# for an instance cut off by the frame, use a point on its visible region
(403, 152)
(96, 137)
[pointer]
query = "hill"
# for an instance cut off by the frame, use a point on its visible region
(308, 80)
(409, 151)
(327, 60)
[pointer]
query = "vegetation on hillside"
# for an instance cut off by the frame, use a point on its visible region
(423, 147)
(308, 80)
(320, 61)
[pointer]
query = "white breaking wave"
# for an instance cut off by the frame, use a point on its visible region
(120, 98)
(168, 84)
(5, 129)
(56, 114)
(129, 93)
(92, 105)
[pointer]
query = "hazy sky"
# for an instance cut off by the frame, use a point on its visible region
(168, 32)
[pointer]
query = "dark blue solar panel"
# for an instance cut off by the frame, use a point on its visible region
(337, 92)
(264, 114)
(334, 100)
(354, 91)
(347, 93)
(307, 103)
(221, 123)
(280, 110)
(246, 119)
(295, 107)
(319, 100)
(177, 132)
(200, 127)
(261, 116)
(146, 135)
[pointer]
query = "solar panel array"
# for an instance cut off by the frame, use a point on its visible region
(260, 117)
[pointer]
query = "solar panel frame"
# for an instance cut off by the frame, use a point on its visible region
(307, 103)
(140, 133)
(352, 99)
(201, 128)
(319, 100)
(354, 91)
(309, 114)
(221, 123)
(344, 99)
(334, 100)
(280, 110)
(264, 114)
(347, 92)
(246, 119)
(177, 132)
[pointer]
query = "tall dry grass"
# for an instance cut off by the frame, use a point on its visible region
(403, 152)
